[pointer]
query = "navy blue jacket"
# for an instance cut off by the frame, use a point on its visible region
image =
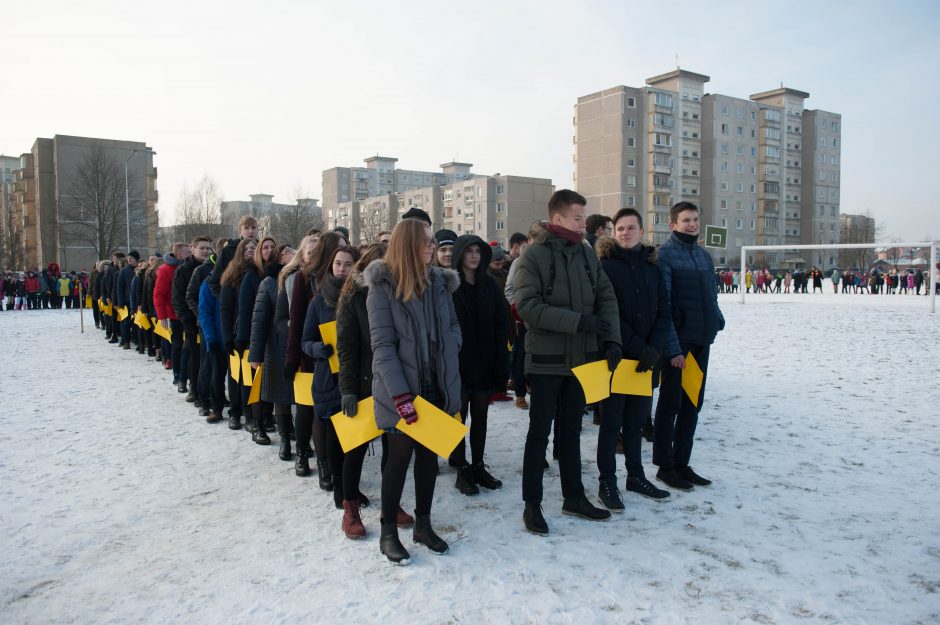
(641, 296)
(209, 321)
(246, 305)
(326, 393)
(123, 286)
(688, 272)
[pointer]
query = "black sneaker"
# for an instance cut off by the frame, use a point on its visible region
(692, 476)
(482, 477)
(643, 486)
(671, 477)
(609, 495)
(465, 482)
(583, 508)
(533, 519)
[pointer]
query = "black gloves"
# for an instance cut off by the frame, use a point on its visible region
(613, 354)
(241, 346)
(230, 348)
(290, 370)
(647, 359)
(350, 405)
(322, 351)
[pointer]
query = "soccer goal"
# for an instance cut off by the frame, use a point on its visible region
(932, 275)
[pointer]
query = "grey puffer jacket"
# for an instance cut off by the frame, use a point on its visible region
(268, 342)
(393, 328)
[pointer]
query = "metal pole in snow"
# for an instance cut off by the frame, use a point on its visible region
(934, 278)
(742, 285)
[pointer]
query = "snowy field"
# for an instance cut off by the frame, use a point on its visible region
(120, 505)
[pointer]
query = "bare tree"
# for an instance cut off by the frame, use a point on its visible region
(289, 225)
(13, 251)
(92, 211)
(199, 211)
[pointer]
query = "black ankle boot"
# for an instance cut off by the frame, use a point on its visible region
(424, 534)
(390, 546)
(283, 429)
(302, 464)
(260, 436)
(326, 478)
(234, 422)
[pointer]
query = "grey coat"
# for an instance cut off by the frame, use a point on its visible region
(269, 341)
(393, 328)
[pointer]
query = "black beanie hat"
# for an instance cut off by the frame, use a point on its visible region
(417, 213)
(445, 237)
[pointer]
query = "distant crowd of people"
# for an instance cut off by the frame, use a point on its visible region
(909, 281)
(45, 289)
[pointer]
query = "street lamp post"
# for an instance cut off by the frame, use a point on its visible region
(127, 202)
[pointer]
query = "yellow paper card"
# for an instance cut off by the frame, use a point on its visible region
(355, 431)
(255, 395)
(234, 366)
(88, 301)
(122, 313)
(435, 429)
(595, 380)
(626, 381)
(692, 378)
(246, 369)
(303, 389)
(159, 330)
(140, 319)
(105, 308)
(328, 334)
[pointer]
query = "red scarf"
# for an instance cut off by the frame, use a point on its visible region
(569, 236)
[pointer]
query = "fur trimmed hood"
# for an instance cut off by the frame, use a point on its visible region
(378, 271)
(606, 247)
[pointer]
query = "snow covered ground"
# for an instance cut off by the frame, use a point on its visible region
(120, 505)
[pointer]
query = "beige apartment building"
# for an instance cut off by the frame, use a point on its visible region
(756, 166)
(492, 207)
(52, 199)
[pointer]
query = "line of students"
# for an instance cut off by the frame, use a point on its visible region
(407, 327)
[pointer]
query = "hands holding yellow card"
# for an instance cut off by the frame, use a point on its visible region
(692, 379)
(357, 430)
(626, 380)
(328, 334)
(595, 380)
(435, 429)
(303, 388)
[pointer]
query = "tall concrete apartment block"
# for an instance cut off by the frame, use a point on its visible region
(372, 199)
(262, 207)
(749, 164)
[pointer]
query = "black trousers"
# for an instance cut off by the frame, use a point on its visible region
(215, 366)
(475, 407)
(205, 378)
(676, 415)
(551, 393)
(518, 362)
(400, 449)
(623, 414)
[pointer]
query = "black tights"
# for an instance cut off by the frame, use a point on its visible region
(400, 448)
(474, 406)
(346, 467)
(306, 424)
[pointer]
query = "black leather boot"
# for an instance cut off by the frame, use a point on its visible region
(424, 534)
(302, 465)
(390, 546)
(326, 478)
(283, 431)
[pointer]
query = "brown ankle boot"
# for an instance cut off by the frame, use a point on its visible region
(352, 522)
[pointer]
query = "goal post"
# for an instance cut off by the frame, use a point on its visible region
(932, 270)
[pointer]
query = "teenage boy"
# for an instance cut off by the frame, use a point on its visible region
(696, 319)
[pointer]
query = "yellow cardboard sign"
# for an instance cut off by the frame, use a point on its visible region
(104, 308)
(159, 330)
(303, 389)
(328, 334)
(595, 380)
(435, 429)
(692, 378)
(141, 321)
(122, 313)
(358, 430)
(255, 395)
(88, 301)
(246, 369)
(626, 380)
(234, 366)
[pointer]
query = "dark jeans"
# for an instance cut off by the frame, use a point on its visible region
(475, 407)
(622, 414)
(400, 448)
(234, 391)
(518, 362)
(125, 329)
(180, 363)
(303, 427)
(551, 393)
(205, 377)
(676, 416)
(213, 383)
(193, 353)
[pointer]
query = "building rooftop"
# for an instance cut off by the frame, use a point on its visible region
(781, 91)
(677, 73)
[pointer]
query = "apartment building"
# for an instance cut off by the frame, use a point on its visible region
(379, 177)
(70, 195)
(763, 167)
(492, 207)
(262, 207)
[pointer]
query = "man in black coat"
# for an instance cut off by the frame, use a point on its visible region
(247, 229)
(201, 383)
(123, 296)
(644, 326)
(201, 248)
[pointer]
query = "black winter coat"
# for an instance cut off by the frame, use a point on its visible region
(355, 346)
(228, 312)
(192, 291)
(484, 323)
(268, 342)
(225, 257)
(326, 394)
(181, 278)
(641, 296)
(246, 304)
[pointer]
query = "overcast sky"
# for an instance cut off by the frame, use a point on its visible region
(263, 97)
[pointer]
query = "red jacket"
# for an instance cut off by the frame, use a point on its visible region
(162, 292)
(32, 284)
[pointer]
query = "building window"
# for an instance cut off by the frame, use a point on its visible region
(662, 139)
(739, 150)
(499, 207)
(771, 151)
(724, 129)
(771, 115)
(631, 181)
(499, 225)
(724, 185)
(631, 162)
(739, 168)
(664, 99)
(631, 201)
(631, 123)
(499, 189)
(739, 131)
(724, 222)
(724, 148)
(739, 224)
(723, 166)
(724, 111)
(772, 133)
(739, 187)
(631, 102)
(722, 204)
(771, 187)
(752, 224)
(631, 142)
